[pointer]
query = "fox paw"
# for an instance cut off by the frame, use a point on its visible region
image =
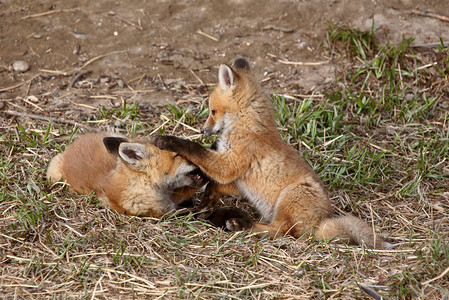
(185, 148)
(165, 142)
(238, 224)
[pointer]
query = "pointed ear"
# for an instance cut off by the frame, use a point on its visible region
(132, 154)
(112, 143)
(225, 77)
(241, 63)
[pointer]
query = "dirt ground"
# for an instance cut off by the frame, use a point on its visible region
(157, 52)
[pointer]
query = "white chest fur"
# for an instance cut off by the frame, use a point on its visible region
(258, 201)
(222, 145)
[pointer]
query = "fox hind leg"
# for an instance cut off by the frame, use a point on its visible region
(222, 215)
(292, 216)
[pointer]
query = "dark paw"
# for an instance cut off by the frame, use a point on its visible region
(232, 218)
(233, 225)
(238, 224)
(185, 148)
(165, 142)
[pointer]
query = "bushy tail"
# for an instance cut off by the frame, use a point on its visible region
(351, 228)
(54, 171)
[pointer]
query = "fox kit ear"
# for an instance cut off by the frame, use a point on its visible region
(112, 143)
(240, 63)
(132, 153)
(225, 77)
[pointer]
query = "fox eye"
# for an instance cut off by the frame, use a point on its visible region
(213, 112)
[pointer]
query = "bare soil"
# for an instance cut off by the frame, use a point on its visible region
(159, 52)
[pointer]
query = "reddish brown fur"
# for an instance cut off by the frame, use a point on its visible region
(150, 186)
(252, 159)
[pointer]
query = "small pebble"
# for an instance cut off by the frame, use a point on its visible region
(77, 50)
(33, 99)
(20, 66)
(80, 36)
(302, 45)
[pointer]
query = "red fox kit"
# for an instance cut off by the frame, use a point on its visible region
(253, 161)
(132, 177)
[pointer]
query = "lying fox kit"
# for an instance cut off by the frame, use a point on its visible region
(253, 161)
(130, 176)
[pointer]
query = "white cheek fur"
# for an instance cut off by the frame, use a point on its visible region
(218, 126)
(184, 169)
(180, 178)
(226, 123)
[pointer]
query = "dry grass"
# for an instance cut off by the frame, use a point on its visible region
(383, 158)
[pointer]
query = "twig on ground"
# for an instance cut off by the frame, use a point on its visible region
(85, 105)
(300, 63)
(56, 72)
(207, 35)
(78, 76)
(438, 277)
(32, 104)
(159, 127)
(129, 22)
(11, 87)
(278, 28)
(138, 79)
(297, 96)
(197, 78)
(183, 101)
(179, 122)
(48, 13)
(162, 81)
(427, 66)
(100, 57)
(429, 14)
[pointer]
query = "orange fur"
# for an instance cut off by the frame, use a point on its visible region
(138, 178)
(253, 160)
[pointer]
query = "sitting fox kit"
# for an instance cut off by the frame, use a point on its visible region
(253, 161)
(130, 176)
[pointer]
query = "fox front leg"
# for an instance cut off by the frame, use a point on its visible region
(223, 167)
(183, 147)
